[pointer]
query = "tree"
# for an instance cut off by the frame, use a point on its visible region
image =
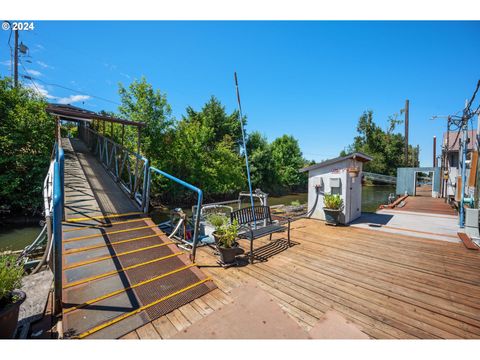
(385, 146)
(287, 159)
(214, 116)
(205, 150)
(27, 135)
(141, 103)
(262, 168)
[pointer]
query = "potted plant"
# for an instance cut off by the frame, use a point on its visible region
(225, 235)
(10, 297)
(353, 171)
(333, 205)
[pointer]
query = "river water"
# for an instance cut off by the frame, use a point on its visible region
(15, 238)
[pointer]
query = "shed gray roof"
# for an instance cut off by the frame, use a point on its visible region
(356, 155)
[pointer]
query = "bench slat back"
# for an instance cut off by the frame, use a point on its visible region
(245, 215)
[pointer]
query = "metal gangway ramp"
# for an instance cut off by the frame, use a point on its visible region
(119, 271)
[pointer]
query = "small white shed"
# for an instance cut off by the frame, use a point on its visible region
(334, 176)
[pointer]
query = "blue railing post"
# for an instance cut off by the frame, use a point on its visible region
(57, 235)
(61, 161)
(199, 202)
(197, 223)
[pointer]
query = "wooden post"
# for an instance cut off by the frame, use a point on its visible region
(58, 131)
(138, 139)
(123, 133)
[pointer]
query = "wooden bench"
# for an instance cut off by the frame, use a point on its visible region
(260, 215)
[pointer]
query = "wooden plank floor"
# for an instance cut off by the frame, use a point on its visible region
(427, 204)
(391, 286)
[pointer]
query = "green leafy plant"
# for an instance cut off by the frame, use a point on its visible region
(333, 201)
(295, 203)
(10, 277)
(225, 232)
(217, 220)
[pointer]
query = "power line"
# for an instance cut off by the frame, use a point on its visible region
(78, 92)
(29, 77)
(61, 86)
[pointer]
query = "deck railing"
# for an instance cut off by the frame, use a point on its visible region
(53, 196)
(380, 177)
(128, 168)
(133, 172)
(196, 226)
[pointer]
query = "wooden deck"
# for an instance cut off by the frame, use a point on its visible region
(424, 204)
(390, 286)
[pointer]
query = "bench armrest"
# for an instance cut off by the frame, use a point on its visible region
(287, 218)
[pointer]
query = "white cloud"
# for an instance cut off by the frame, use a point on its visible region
(40, 90)
(125, 75)
(44, 65)
(72, 99)
(34, 72)
(6, 62)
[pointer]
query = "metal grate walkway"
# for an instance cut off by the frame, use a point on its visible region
(119, 270)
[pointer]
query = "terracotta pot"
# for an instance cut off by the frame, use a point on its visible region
(9, 315)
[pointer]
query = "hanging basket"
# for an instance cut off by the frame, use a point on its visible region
(353, 172)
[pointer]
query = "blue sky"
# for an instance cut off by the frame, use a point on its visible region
(308, 79)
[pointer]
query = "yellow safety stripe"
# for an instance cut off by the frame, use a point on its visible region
(102, 217)
(119, 291)
(114, 256)
(140, 309)
(102, 226)
(93, 278)
(91, 236)
(73, 251)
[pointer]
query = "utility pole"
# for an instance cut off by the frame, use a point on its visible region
(434, 151)
(15, 61)
(446, 170)
(464, 148)
(406, 130)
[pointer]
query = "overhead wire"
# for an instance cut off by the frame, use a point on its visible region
(79, 92)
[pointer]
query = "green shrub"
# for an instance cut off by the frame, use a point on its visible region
(295, 203)
(10, 276)
(217, 220)
(333, 201)
(226, 232)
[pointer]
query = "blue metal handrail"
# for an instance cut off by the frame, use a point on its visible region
(188, 186)
(57, 234)
(56, 204)
(116, 159)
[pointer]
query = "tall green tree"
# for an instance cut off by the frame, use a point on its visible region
(205, 150)
(262, 167)
(27, 135)
(287, 159)
(214, 116)
(142, 103)
(385, 146)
